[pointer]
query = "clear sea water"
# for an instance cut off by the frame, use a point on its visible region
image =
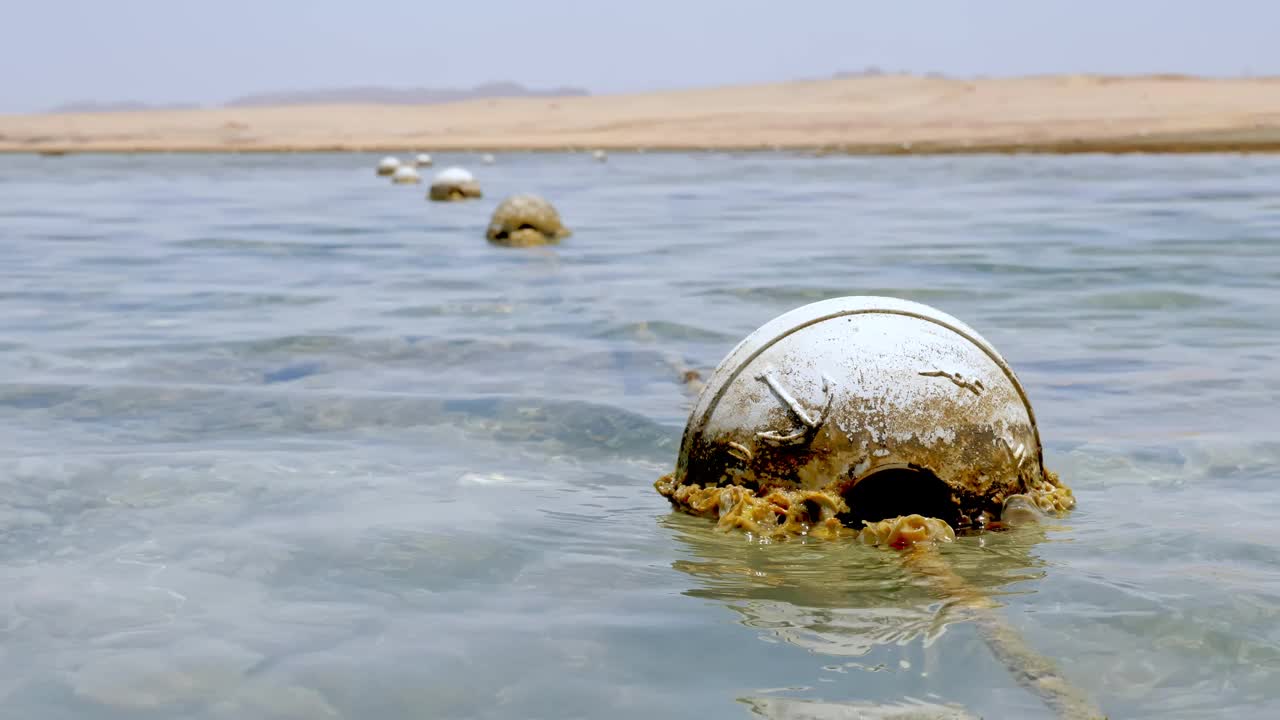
(281, 440)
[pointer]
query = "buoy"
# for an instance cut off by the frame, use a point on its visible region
(600, 155)
(422, 160)
(453, 184)
(405, 175)
(525, 221)
(388, 165)
(487, 159)
(884, 420)
(847, 412)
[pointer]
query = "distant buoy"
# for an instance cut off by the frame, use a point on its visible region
(600, 155)
(525, 221)
(405, 175)
(423, 160)
(487, 159)
(453, 184)
(388, 165)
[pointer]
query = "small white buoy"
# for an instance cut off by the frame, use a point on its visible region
(388, 165)
(487, 159)
(453, 184)
(422, 160)
(600, 155)
(405, 175)
(455, 175)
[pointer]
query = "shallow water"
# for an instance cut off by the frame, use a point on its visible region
(280, 440)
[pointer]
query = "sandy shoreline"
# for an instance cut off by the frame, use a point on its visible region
(864, 115)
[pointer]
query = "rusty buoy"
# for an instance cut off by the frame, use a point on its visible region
(453, 184)
(846, 412)
(525, 221)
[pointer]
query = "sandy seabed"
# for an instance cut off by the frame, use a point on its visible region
(892, 114)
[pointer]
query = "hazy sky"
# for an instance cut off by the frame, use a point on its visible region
(53, 51)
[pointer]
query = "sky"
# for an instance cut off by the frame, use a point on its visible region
(209, 51)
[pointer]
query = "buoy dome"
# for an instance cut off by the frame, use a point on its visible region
(406, 174)
(388, 165)
(454, 175)
(422, 160)
(888, 406)
(452, 184)
(524, 221)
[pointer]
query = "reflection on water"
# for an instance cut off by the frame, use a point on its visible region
(845, 599)
(831, 598)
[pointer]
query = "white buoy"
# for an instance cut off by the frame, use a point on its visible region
(423, 160)
(487, 159)
(405, 175)
(454, 175)
(388, 165)
(878, 405)
(452, 184)
(600, 155)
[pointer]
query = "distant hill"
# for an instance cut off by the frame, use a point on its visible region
(92, 106)
(394, 96)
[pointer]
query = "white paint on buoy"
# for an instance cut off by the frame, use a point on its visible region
(388, 165)
(453, 175)
(422, 160)
(406, 175)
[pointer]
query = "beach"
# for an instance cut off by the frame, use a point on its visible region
(882, 114)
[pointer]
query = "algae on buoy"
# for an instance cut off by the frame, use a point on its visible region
(525, 221)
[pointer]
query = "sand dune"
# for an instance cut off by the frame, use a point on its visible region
(882, 114)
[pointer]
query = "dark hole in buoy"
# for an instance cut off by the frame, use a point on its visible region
(501, 235)
(526, 226)
(813, 510)
(899, 491)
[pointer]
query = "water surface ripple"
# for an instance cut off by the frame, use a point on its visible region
(279, 440)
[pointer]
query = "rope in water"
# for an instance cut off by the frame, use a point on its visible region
(1030, 669)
